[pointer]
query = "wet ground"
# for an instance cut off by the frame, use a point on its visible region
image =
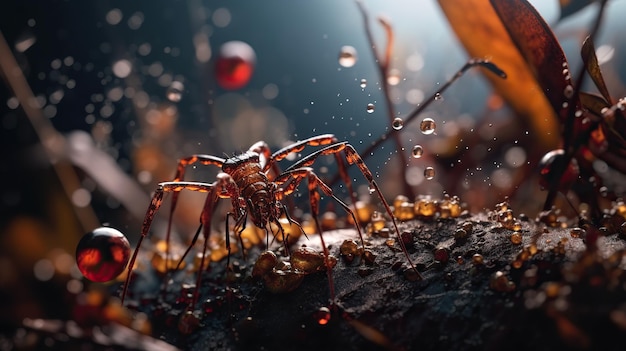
(480, 291)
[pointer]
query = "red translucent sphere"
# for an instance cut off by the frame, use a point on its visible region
(234, 65)
(101, 255)
(553, 162)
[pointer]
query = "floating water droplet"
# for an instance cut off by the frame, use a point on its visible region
(438, 96)
(101, 255)
(429, 173)
(418, 151)
(174, 92)
(393, 78)
(363, 83)
(234, 65)
(370, 108)
(347, 56)
(397, 123)
(428, 126)
(568, 91)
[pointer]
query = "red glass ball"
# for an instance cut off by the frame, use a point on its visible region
(101, 255)
(553, 161)
(234, 65)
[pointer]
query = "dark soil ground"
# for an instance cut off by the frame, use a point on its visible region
(552, 291)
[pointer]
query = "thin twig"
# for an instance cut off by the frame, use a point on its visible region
(420, 108)
(383, 70)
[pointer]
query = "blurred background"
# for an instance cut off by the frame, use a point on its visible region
(100, 99)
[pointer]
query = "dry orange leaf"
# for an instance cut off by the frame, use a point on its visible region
(483, 35)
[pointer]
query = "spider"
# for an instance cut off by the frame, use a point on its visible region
(256, 188)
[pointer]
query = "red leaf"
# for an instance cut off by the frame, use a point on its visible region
(538, 45)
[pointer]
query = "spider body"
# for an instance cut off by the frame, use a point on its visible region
(254, 187)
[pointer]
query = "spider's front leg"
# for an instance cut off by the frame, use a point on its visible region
(318, 140)
(352, 157)
(183, 163)
(155, 204)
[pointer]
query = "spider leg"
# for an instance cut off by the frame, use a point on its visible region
(314, 183)
(292, 178)
(352, 157)
(155, 204)
(238, 228)
(298, 146)
(183, 163)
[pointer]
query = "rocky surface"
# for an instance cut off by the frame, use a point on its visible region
(480, 291)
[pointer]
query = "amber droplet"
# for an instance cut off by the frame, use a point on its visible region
(308, 260)
(500, 282)
(478, 259)
(577, 232)
(369, 257)
(460, 234)
(264, 264)
(467, 226)
(329, 220)
(349, 250)
(516, 238)
(101, 255)
(399, 200)
(378, 221)
(363, 212)
(322, 316)
(426, 207)
(404, 212)
(188, 322)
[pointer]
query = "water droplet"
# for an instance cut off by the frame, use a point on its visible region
(428, 126)
(101, 255)
(370, 108)
(393, 78)
(568, 91)
(418, 151)
(429, 173)
(322, 316)
(347, 56)
(174, 92)
(438, 96)
(234, 65)
(397, 123)
(363, 83)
